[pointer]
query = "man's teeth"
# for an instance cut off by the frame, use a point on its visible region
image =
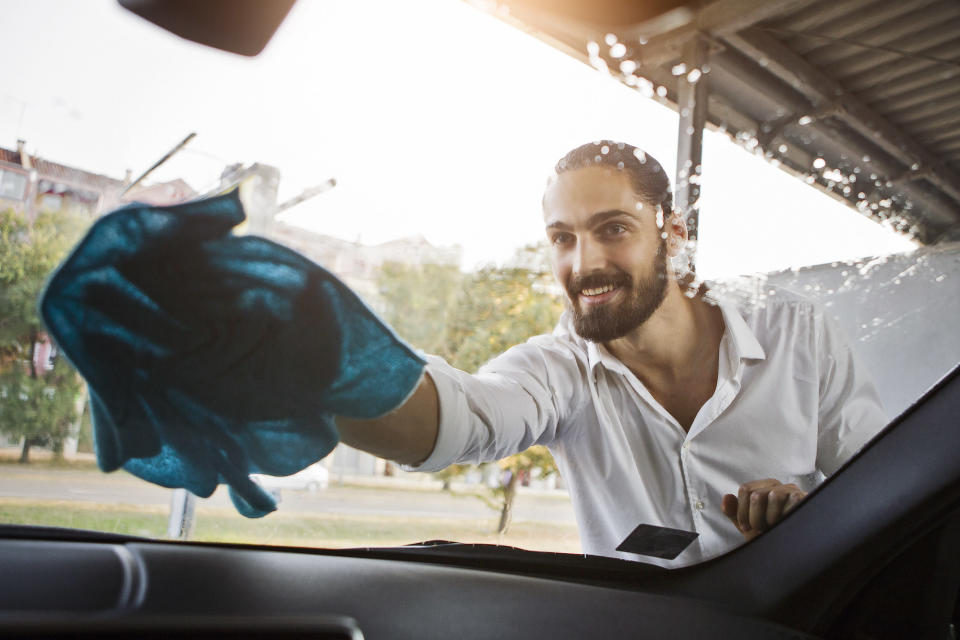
(597, 291)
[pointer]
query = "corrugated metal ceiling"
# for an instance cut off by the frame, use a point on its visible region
(860, 98)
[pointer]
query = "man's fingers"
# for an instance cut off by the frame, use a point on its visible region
(760, 504)
(793, 500)
(775, 503)
(782, 500)
(744, 499)
(729, 505)
(758, 510)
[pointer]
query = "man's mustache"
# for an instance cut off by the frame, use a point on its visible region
(594, 280)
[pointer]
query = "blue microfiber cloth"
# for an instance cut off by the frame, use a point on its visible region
(211, 356)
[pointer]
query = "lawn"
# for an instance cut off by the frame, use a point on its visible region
(288, 529)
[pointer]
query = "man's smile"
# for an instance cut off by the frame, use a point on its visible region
(598, 295)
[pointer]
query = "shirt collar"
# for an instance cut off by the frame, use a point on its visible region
(744, 341)
(741, 338)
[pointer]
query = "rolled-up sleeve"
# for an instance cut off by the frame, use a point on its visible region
(517, 400)
(851, 412)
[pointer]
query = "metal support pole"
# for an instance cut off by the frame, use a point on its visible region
(182, 506)
(159, 162)
(692, 104)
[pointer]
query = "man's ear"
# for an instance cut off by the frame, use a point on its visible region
(677, 236)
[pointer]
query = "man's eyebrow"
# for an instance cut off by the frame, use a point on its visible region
(596, 219)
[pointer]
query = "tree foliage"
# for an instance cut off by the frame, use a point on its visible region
(38, 405)
(470, 318)
(42, 410)
(418, 299)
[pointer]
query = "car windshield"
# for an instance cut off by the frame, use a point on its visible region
(406, 147)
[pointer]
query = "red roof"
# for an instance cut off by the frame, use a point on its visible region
(56, 171)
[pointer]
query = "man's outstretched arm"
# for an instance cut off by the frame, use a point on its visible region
(406, 435)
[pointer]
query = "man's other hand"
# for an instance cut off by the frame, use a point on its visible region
(760, 504)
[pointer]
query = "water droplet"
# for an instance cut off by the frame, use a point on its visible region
(662, 91)
(618, 50)
(915, 166)
(628, 66)
(660, 221)
(690, 131)
(604, 149)
(645, 87)
(694, 76)
(639, 206)
(610, 39)
(782, 148)
(819, 163)
(679, 69)
(940, 278)
(804, 121)
(620, 165)
(593, 49)
(866, 158)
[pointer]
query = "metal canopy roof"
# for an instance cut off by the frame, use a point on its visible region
(858, 97)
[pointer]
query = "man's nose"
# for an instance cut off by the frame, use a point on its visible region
(588, 258)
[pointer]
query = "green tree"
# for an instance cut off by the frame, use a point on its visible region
(36, 405)
(499, 307)
(417, 300)
(469, 319)
(536, 458)
(43, 410)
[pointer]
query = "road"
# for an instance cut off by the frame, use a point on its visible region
(397, 499)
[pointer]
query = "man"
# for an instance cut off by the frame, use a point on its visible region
(661, 404)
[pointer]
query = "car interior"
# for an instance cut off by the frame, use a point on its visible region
(873, 552)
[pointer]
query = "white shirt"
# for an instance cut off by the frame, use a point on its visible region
(791, 403)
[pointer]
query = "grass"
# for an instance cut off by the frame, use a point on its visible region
(49, 462)
(287, 529)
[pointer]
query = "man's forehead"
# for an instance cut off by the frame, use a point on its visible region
(587, 190)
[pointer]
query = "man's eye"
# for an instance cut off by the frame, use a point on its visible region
(614, 229)
(562, 239)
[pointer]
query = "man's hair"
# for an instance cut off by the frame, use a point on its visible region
(648, 179)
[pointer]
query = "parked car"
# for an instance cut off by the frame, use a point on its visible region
(312, 479)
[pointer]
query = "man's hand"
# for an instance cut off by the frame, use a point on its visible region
(760, 504)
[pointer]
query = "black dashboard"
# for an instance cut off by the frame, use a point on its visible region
(59, 588)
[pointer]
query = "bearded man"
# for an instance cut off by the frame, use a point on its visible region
(665, 407)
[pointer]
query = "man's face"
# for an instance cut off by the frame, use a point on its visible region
(608, 249)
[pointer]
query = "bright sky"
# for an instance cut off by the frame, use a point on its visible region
(434, 118)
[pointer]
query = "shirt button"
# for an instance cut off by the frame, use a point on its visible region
(686, 445)
(698, 505)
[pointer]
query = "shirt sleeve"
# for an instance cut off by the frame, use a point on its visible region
(850, 411)
(517, 400)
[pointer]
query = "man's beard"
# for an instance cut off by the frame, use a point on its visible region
(607, 322)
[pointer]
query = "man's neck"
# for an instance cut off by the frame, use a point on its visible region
(680, 338)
